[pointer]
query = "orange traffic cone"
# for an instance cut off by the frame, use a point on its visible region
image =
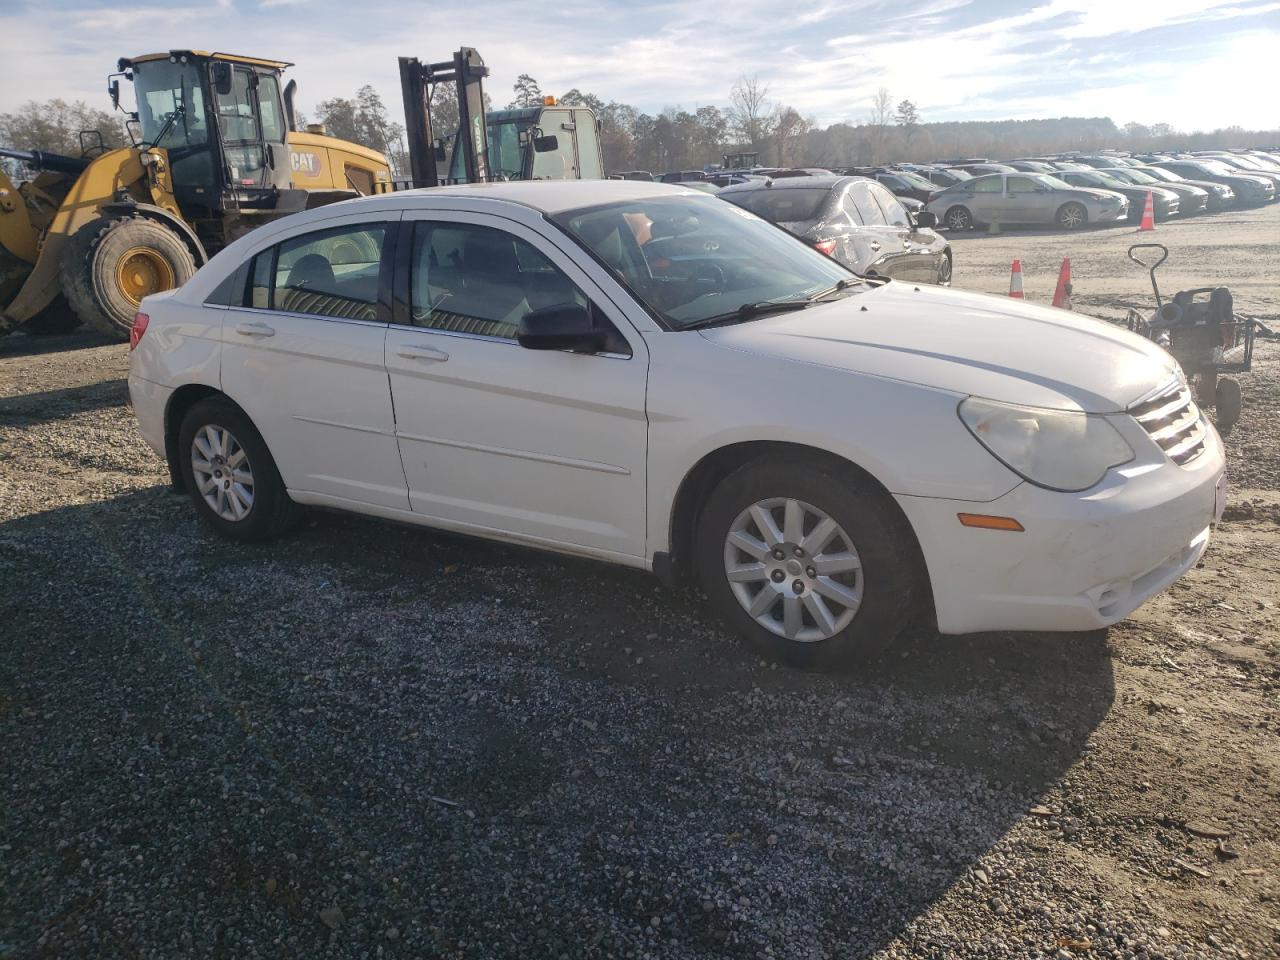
(1015, 280)
(1148, 214)
(1062, 295)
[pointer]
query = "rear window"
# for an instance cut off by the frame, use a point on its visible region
(779, 205)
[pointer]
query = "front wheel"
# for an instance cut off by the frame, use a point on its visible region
(231, 475)
(1072, 216)
(111, 263)
(944, 272)
(811, 568)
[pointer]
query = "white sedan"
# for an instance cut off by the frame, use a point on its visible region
(650, 376)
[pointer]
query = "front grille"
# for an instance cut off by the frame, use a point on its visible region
(1174, 422)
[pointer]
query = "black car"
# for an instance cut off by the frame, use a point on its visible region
(943, 177)
(854, 220)
(1032, 166)
(904, 183)
(681, 176)
(1248, 189)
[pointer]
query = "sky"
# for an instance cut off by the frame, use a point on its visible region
(1195, 64)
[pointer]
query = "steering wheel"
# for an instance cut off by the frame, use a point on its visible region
(709, 274)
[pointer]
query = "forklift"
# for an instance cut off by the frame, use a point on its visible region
(553, 141)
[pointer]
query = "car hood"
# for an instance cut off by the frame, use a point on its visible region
(965, 343)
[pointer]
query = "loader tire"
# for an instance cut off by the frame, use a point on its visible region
(55, 319)
(113, 262)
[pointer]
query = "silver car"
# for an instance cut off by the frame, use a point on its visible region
(1024, 198)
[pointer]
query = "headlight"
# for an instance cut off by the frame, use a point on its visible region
(1056, 449)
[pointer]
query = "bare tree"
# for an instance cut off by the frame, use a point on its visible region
(750, 116)
(878, 120)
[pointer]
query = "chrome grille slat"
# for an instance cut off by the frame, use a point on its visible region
(1172, 419)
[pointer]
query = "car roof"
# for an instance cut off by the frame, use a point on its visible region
(545, 196)
(825, 182)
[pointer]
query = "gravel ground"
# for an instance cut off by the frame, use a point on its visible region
(371, 741)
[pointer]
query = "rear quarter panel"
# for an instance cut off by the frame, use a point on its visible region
(181, 346)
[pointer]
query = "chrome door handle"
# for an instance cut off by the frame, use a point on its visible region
(874, 245)
(255, 329)
(411, 352)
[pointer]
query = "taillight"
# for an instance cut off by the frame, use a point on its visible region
(933, 196)
(140, 321)
(826, 246)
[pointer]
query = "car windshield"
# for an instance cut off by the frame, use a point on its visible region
(1161, 174)
(1133, 176)
(914, 180)
(781, 204)
(960, 174)
(1048, 181)
(1215, 166)
(691, 260)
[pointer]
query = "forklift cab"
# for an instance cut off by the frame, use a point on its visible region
(551, 142)
(222, 119)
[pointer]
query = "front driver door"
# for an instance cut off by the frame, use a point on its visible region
(543, 446)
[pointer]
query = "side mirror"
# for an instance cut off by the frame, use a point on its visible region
(113, 88)
(545, 144)
(564, 326)
(220, 72)
(926, 219)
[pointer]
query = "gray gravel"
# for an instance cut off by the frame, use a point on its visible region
(372, 741)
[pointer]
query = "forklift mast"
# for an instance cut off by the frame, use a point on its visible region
(465, 71)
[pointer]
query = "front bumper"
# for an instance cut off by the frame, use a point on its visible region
(1085, 560)
(1111, 213)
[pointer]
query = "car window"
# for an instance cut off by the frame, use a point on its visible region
(691, 258)
(781, 204)
(991, 184)
(892, 182)
(863, 208)
(1021, 185)
(326, 273)
(895, 214)
(468, 278)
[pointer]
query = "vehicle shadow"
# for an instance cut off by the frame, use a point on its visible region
(469, 742)
(20, 344)
(28, 409)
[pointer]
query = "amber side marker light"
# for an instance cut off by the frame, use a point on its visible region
(984, 522)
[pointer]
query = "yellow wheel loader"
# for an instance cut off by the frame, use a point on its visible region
(216, 154)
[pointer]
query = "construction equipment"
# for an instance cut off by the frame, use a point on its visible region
(1205, 335)
(216, 154)
(552, 141)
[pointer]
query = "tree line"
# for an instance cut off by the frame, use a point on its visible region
(675, 138)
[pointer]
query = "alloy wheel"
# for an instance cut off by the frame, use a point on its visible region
(959, 219)
(222, 472)
(1072, 216)
(793, 569)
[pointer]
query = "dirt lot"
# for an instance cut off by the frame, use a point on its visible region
(367, 741)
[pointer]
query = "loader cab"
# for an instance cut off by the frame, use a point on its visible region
(222, 120)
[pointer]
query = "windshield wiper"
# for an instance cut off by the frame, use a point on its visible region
(839, 285)
(747, 311)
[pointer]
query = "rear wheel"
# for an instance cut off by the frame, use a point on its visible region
(231, 475)
(958, 218)
(1072, 216)
(113, 262)
(811, 568)
(944, 271)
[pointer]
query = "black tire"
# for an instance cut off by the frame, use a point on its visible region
(1072, 216)
(93, 261)
(958, 218)
(1228, 403)
(879, 534)
(57, 318)
(272, 512)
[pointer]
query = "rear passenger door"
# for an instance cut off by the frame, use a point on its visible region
(303, 355)
(536, 445)
(873, 241)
